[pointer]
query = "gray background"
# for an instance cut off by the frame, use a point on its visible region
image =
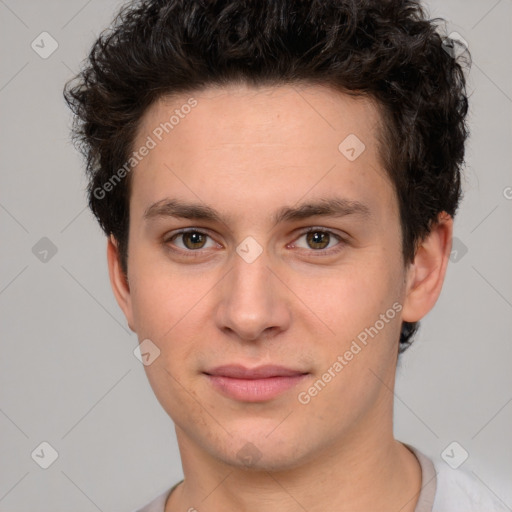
(68, 375)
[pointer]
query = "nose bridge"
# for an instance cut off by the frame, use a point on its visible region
(249, 302)
(250, 283)
(250, 264)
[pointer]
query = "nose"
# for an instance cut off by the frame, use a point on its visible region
(252, 301)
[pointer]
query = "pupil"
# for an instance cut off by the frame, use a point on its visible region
(317, 238)
(194, 237)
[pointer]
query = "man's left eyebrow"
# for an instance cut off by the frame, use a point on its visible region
(332, 207)
(326, 207)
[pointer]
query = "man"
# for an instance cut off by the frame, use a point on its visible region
(277, 181)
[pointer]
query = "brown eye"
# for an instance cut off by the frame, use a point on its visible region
(318, 239)
(189, 241)
(320, 242)
(193, 239)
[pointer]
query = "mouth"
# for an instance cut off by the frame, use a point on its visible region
(254, 385)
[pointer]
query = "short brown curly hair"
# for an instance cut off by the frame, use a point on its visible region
(386, 49)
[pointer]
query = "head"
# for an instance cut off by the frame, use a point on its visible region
(247, 110)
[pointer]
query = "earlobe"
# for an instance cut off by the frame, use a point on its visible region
(426, 274)
(118, 281)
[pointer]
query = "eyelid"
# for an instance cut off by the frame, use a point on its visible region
(170, 237)
(323, 252)
(320, 252)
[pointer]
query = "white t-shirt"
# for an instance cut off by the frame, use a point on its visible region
(443, 489)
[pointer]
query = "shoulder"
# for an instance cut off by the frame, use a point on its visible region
(157, 504)
(460, 491)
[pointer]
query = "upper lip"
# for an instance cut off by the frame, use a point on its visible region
(237, 371)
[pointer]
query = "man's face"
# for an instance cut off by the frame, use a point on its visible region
(245, 290)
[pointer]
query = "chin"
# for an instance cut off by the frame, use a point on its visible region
(263, 452)
(265, 461)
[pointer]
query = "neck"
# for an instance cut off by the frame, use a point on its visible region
(364, 471)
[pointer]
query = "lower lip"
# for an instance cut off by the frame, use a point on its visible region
(254, 390)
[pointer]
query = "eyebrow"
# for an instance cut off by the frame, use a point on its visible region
(324, 207)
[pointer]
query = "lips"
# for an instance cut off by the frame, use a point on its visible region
(261, 372)
(259, 384)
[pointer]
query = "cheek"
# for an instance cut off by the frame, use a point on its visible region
(160, 293)
(164, 308)
(362, 308)
(351, 297)
(171, 307)
(159, 302)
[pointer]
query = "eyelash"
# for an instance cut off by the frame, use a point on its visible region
(316, 253)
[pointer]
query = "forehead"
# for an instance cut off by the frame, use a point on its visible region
(254, 140)
(286, 115)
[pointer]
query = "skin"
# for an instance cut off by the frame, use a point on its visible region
(247, 152)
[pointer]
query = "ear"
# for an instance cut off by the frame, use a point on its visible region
(426, 274)
(118, 281)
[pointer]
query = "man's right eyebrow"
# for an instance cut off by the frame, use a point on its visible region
(179, 209)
